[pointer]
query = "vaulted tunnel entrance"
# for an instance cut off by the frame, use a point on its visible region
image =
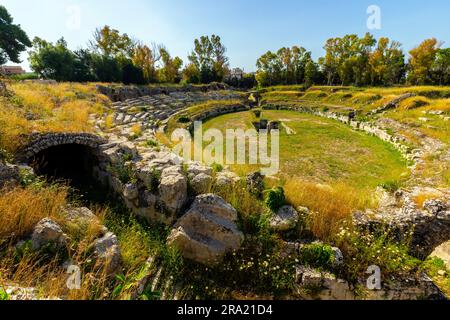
(71, 164)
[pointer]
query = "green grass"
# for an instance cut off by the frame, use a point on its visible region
(183, 119)
(323, 150)
(439, 272)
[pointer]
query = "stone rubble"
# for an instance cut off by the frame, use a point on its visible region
(48, 232)
(208, 231)
(107, 253)
(285, 219)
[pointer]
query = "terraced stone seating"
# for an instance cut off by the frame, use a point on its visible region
(148, 110)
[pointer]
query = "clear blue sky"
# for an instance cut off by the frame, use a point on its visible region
(248, 27)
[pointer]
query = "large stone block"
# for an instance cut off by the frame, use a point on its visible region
(208, 231)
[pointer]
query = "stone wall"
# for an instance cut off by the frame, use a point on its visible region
(215, 112)
(122, 93)
(40, 142)
(318, 285)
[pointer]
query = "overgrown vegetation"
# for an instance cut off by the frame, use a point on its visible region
(351, 60)
(45, 108)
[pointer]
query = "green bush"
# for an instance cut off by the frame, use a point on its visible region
(391, 186)
(25, 76)
(3, 294)
(317, 255)
(275, 199)
(151, 143)
(123, 172)
(217, 167)
(154, 181)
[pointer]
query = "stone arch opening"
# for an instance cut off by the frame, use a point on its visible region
(70, 159)
(68, 162)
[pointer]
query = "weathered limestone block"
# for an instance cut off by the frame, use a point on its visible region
(8, 174)
(173, 189)
(107, 253)
(226, 179)
(208, 231)
(201, 183)
(195, 168)
(285, 219)
(47, 232)
(130, 191)
(84, 217)
(113, 155)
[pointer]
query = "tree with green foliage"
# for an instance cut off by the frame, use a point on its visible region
(131, 74)
(147, 59)
(52, 61)
(13, 40)
(83, 68)
(209, 60)
(311, 73)
(421, 61)
(387, 63)
(106, 69)
(269, 70)
(170, 72)
(287, 66)
(110, 43)
(441, 67)
(191, 74)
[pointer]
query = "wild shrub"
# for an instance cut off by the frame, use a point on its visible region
(151, 143)
(317, 255)
(391, 186)
(124, 172)
(3, 294)
(380, 247)
(217, 167)
(275, 199)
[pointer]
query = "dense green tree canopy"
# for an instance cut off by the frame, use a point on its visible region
(52, 61)
(13, 40)
(208, 61)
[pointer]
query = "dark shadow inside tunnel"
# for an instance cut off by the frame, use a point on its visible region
(71, 164)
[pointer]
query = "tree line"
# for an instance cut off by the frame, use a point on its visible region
(351, 60)
(115, 57)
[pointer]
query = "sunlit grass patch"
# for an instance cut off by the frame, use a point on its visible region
(331, 205)
(322, 150)
(182, 119)
(22, 208)
(36, 107)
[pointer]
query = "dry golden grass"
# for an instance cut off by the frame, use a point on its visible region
(109, 121)
(35, 107)
(49, 278)
(136, 130)
(423, 197)
(330, 205)
(21, 209)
